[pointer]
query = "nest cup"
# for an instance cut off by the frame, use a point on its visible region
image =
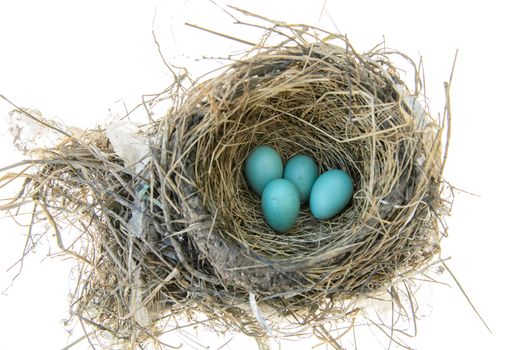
(204, 246)
(346, 110)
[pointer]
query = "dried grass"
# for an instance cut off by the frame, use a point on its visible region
(204, 246)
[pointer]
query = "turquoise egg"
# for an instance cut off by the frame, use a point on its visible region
(281, 204)
(331, 193)
(302, 171)
(262, 165)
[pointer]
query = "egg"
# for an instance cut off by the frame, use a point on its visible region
(281, 204)
(302, 171)
(262, 165)
(330, 194)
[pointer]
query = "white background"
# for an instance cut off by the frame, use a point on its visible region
(75, 59)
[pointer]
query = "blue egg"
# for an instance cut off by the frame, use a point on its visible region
(302, 171)
(331, 193)
(281, 204)
(262, 165)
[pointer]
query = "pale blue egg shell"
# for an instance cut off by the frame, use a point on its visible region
(330, 194)
(262, 165)
(302, 171)
(281, 204)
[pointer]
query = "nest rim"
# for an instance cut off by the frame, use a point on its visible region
(208, 118)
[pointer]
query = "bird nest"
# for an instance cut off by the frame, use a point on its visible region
(184, 235)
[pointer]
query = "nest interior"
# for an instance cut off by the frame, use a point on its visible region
(204, 244)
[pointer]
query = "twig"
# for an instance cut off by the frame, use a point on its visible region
(58, 237)
(158, 46)
(447, 89)
(77, 341)
(466, 296)
(220, 34)
(38, 120)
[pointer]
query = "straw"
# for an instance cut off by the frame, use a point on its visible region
(204, 247)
